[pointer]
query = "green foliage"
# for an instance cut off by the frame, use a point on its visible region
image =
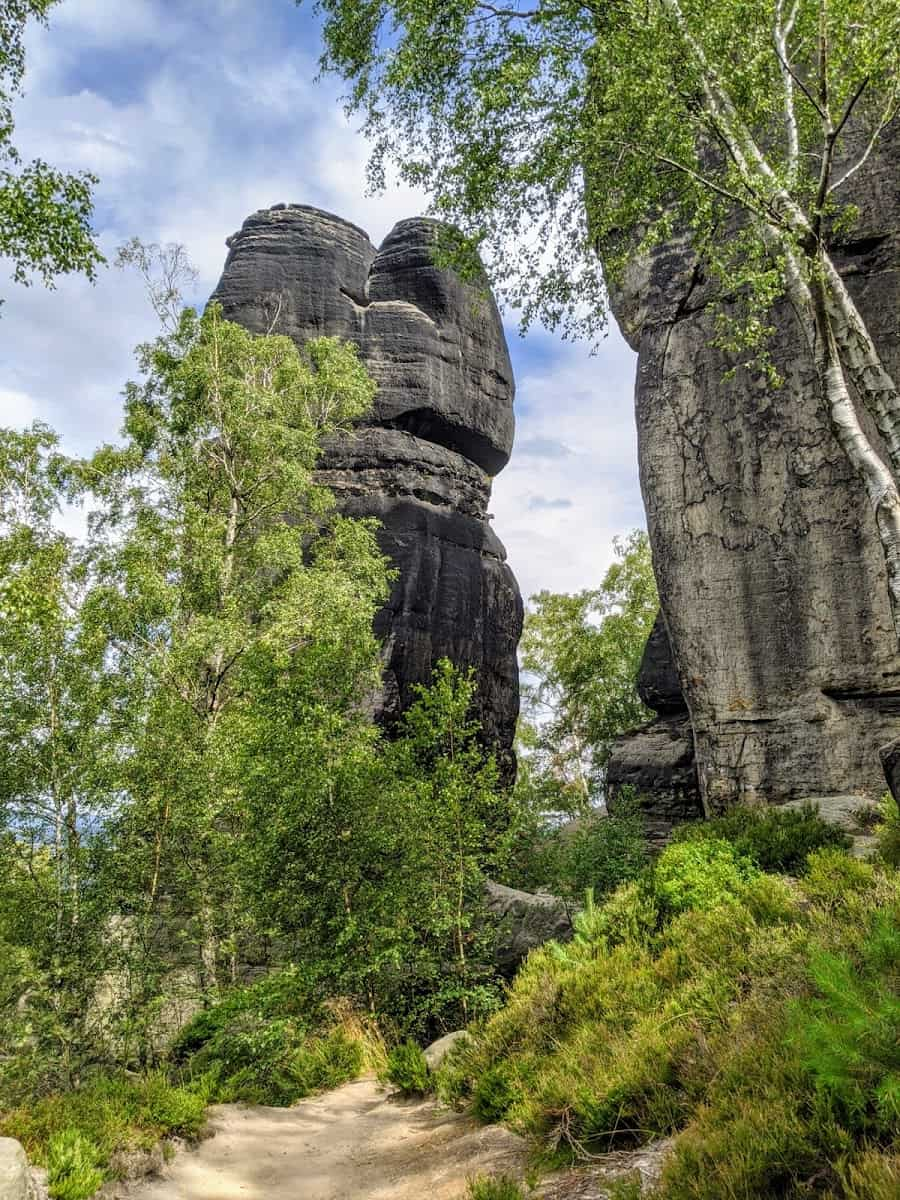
(831, 876)
(699, 875)
(581, 654)
(495, 1187)
(275, 1062)
(555, 128)
(273, 1042)
(596, 851)
(72, 1166)
(418, 821)
(758, 1027)
(285, 993)
(775, 839)
(888, 831)
(847, 1033)
(44, 213)
(408, 1069)
(75, 1134)
(494, 1094)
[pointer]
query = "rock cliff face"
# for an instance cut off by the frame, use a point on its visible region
(771, 577)
(442, 425)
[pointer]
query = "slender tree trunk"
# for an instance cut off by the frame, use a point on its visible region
(862, 362)
(878, 481)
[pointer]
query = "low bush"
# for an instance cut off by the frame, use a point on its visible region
(408, 1070)
(699, 875)
(774, 839)
(75, 1134)
(496, 1187)
(287, 993)
(597, 851)
(243, 1051)
(73, 1170)
(751, 1017)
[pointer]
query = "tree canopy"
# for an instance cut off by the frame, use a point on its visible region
(551, 128)
(580, 655)
(44, 213)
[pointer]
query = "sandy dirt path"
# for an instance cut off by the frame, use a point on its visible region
(356, 1143)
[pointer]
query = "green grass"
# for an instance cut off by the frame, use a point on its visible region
(752, 1017)
(75, 1134)
(408, 1070)
(498, 1187)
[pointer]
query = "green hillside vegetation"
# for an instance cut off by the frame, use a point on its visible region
(753, 1016)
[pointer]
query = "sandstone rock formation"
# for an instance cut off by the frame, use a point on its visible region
(524, 920)
(771, 576)
(442, 425)
(16, 1180)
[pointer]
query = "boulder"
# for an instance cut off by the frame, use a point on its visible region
(422, 460)
(16, 1182)
(654, 766)
(525, 920)
(438, 1051)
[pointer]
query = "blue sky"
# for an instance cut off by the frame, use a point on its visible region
(195, 114)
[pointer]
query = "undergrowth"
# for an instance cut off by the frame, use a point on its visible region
(753, 1017)
(265, 1044)
(408, 1070)
(76, 1134)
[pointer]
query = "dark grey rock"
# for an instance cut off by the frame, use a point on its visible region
(442, 424)
(434, 344)
(658, 684)
(655, 767)
(769, 568)
(524, 920)
(890, 763)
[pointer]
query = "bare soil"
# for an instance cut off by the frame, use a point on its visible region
(355, 1143)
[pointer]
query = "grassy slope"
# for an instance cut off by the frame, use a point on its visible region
(758, 1018)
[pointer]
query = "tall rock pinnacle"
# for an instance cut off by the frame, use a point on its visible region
(422, 462)
(771, 576)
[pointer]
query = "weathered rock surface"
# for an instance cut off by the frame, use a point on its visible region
(770, 573)
(441, 426)
(16, 1182)
(524, 920)
(655, 764)
(438, 1051)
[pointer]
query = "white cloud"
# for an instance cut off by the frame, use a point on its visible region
(578, 410)
(196, 115)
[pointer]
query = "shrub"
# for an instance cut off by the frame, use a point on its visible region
(888, 831)
(109, 1111)
(774, 839)
(494, 1094)
(497, 1187)
(408, 1070)
(276, 1063)
(699, 875)
(599, 852)
(831, 876)
(73, 1170)
(285, 993)
(848, 1033)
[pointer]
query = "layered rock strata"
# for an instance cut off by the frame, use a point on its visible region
(655, 765)
(422, 462)
(770, 572)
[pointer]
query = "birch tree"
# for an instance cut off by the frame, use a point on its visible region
(548, 128)
(223, 566)
(45, 213)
